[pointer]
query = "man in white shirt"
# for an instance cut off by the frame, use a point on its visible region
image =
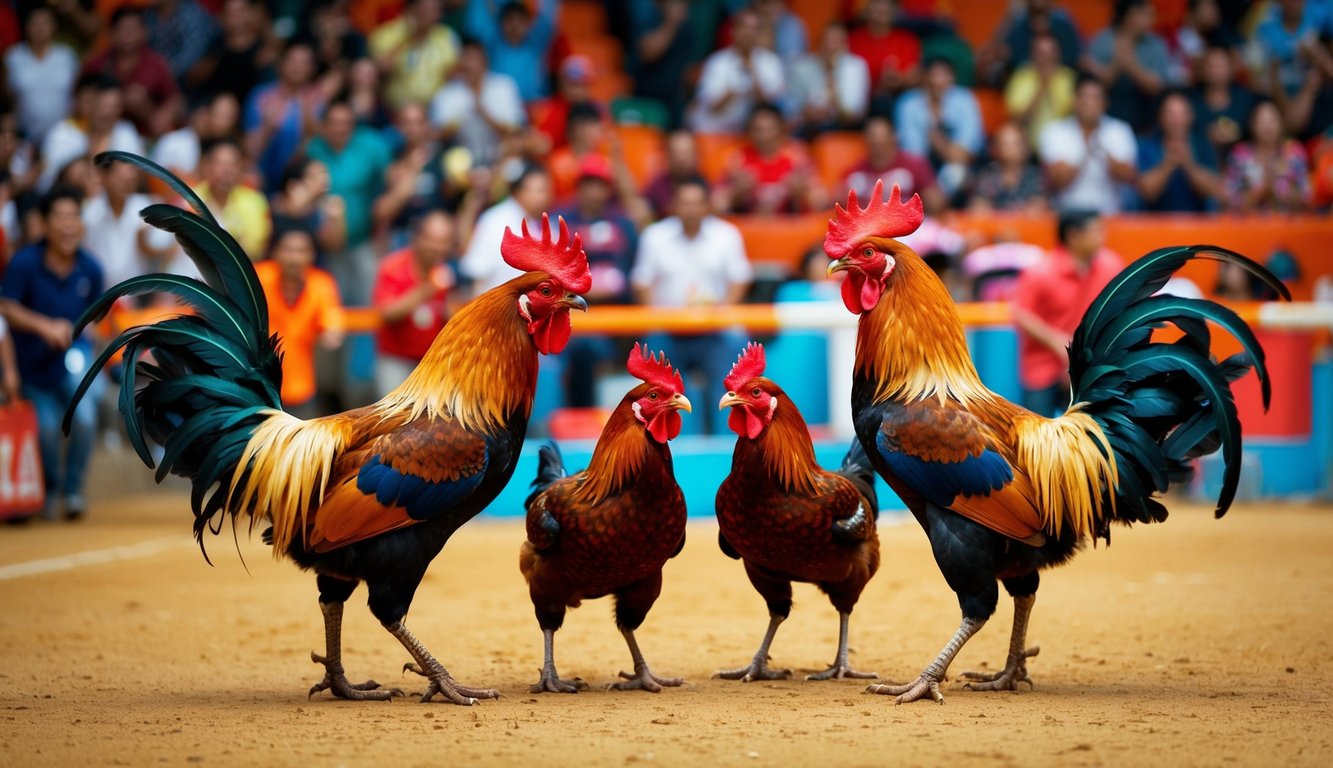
(736, 78)
(1089, 156)
(105, 129)
(694, 259)
(529, 196)
(477, 107)
(122, 242)
(41, 74)
(830, 88)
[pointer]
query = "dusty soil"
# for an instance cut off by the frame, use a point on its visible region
(1196, 642)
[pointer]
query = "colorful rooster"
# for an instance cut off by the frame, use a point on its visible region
(1002, 492)
(368, 495)
(789, 520)
(609, 529)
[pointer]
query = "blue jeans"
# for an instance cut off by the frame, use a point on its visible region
(65, 478)
(710, 355)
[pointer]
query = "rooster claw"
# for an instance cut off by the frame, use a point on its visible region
(336, 683)
(843, 672)
(758, 670)
(550, 682)
(644, 680)
(1015, 671)
(924, 686)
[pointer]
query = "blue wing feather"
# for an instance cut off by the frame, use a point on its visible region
(941, 482)
(421, 498)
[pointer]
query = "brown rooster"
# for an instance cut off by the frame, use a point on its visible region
(368, 495)
(788, 519)
(609, 529)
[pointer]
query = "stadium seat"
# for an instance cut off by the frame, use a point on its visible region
(815, 14)
(1090, 16)
(636, 110)
(835, 154)
(991, 103)
(644, 150)
(781, 240)
(607, 86)
(581, 18)
(577, 423)
(714, 149)
(976, 22)
(603, 50)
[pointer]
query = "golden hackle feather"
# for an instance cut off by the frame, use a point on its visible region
(621, 451)
(1068, 460)
(788, 451)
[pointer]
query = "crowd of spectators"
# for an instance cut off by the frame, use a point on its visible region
(381, 148)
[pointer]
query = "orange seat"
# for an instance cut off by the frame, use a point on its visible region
(608, 85)
(578, 423)
(714, 149)
(1090, 16)
(837, 153)
(815, 13)
(976, 22)
(993, 112)
(644, 150)
(580, 18)
(604, 51)
(781, 240)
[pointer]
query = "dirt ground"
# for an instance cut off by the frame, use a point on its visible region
(1197, 642)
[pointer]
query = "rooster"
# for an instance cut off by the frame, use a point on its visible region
(788, 519)
(609, 529)
(369, 495)
(1001, 492)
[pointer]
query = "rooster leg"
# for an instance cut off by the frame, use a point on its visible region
(441, 681)
(1015, 668)
(841, 667)
(335, 680)
(550, 681)
(928, 684)
(643, 677)
(758, 668)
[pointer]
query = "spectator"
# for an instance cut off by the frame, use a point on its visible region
(415, 182)
(990, 272)
(412, 295)
(303, 310)
(893, 54)
(78, 23)
(1088, 155)
(304, 203)
(363, 95)
(152, 98)
(587, 136)
(830, 88)
(336, 42)
(610, 241)
(238, 54)
(41, 74)
(780, 30)
(1221, 104)
(1293, 63)
(1012, 45)
(1270, 172)
(1202, 28)
(1131, 61)
(87, 133)
(243, 211)
(1042, 90)
(887, 161)
(79, 175)
(10, 232)
(736, 79)
(1177, 165)
(1009, 182)
(217, 118)
(1049, 301)
(122, 243)
(47, 286)
(682, 166)
(696, 260)
(415, 51)
(771, 173)
(357, 158)
(477, 108)
(18, 157)
(661, 53)
(279, 115)
(941, 122)
(529, 196)
(518, 45)
(181, 31)
(576, 72)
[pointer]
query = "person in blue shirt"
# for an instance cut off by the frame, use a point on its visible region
(1177, 163)
(47, 285)
(516, 41)
(941, 121)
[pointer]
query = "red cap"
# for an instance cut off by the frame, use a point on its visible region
(596, 167)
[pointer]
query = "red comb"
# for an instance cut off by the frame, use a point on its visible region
(854, 224)
(749, 365)
(562, 259)
(651, 370)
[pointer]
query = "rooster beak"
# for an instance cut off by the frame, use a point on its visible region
(837, 266)
(728, 400)
(575, 301)
(681, 403)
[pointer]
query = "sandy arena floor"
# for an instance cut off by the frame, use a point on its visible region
(1192, 643)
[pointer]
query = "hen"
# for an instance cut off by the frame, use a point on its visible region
(1001, 492)
(609, 529)
(371, 495)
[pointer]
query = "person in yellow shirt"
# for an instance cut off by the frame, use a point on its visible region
(415, 51)
(1042, 90)
(242, 210)
(304, 310)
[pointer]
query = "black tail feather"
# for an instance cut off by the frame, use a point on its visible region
(550, 467)
(856, 467)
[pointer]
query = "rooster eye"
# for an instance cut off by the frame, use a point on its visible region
(756, 392)
(868, 252)
(546, 290)
(652, 395)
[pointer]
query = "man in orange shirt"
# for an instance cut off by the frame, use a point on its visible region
(304, 310)
(1049, 301)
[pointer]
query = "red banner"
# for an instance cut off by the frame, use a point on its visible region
(21, 489)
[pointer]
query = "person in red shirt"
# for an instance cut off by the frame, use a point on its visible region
(1049, 301)
(152, 98)
(886, 161)
(413, 299)
(893, 54)
(771, 173)
(549, 115)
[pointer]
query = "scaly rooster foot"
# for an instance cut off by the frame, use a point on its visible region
(443, 683)
(336, 682)
(843, 671)
(1015, 671)
(550, 682)
(925, 685)
(644, 680)
(758, 670)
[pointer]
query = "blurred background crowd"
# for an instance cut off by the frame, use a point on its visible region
(371, 153)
